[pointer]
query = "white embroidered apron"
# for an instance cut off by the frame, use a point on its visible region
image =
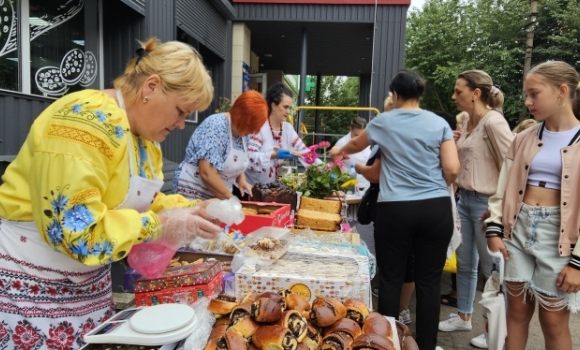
(191, 184)
(47, 299)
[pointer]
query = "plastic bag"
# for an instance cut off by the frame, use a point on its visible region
(456, 237)
(150, 259)
(198, 339)
(227, 211)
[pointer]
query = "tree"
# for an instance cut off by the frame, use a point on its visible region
(334, 91)
(557, 36)
(450, 36)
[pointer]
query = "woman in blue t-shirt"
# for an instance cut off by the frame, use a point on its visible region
(418, 161)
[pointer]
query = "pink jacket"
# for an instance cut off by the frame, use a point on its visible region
(506, 202)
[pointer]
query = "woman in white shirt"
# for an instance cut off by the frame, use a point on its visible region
(276, 141)
(357, 126)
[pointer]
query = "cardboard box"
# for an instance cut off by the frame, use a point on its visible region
(182, 276)
(310, 276)
(279, 216)
(187, 295)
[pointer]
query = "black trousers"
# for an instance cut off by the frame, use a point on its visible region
(422, 228)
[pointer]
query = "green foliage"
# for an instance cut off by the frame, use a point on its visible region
(450, 36)
(557, 34)
(321, 182)
(334, 91)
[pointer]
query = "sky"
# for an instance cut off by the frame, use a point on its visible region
(417, 3)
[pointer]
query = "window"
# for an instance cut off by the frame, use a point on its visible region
(9, 45)
(61, 60)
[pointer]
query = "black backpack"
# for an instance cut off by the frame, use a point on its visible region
(368, 203)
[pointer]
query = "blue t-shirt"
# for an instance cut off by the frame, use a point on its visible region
(210, 141)
(410, 162)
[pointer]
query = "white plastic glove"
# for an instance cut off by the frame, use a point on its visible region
(181, 226)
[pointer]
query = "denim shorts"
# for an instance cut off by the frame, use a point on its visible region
(534, 258)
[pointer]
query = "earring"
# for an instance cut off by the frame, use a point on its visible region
(145, 99)
(563, 104)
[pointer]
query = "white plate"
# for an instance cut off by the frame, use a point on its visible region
(162, 318)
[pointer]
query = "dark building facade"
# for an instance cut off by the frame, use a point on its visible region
(53, 47)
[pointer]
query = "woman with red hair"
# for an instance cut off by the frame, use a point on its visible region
(216, 155)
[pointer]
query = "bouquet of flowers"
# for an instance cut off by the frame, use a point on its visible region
(325, 178)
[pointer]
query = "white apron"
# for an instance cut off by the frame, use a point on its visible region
(191, 185)
(47, 299)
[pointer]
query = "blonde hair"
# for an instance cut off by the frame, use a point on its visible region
(478, 79)
(179, 67)
(558, 73)
(389, 105)
(461, 119)
(523, 125)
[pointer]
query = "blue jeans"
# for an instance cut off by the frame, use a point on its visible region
(472, 250)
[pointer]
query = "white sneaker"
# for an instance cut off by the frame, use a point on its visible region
(479, 341)
(454, 323)
(405, 317)
(438, 348)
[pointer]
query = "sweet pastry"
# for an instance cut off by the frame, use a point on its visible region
(402, 329)
(326, 311)
(317, 220)
(274, 192)
(372, 342)
(250, 297)
(378, 325)
(266, 309)
(267, 248)
(222, 305)
(218, 332)
(320, 205)
(303, 346)
(276, 296)
(313, 336)
(346, 327)
(292, 320)
(229, 341)
(249, 210)
(232, 341)
(297, 302)
(335, 341)
(221, 321)
(356, 310)
(274, 338)
(242, 322)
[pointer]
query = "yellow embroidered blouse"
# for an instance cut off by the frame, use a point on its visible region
(73, 170)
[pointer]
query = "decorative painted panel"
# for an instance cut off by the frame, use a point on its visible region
(8, 44)
(61, 59)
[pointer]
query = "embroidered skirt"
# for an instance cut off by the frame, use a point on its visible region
(47, 299)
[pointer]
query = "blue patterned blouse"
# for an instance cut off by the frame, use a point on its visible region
(210, 141)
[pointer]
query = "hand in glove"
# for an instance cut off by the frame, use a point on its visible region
(181, 226)
(284, 154)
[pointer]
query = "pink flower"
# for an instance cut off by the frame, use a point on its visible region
(310, 157)
(329, 166)
(339, 163)
(345, 156)
(324, 144)
(313, 147)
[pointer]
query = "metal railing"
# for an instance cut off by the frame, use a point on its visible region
(327, 108)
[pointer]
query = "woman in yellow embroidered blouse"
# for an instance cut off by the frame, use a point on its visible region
(84, 189)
